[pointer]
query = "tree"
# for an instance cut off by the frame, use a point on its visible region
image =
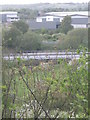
(10, 37)
(27, 13)
(66, 25)
(31, 41)
(22, 26)
(74, 39)
(77, 37)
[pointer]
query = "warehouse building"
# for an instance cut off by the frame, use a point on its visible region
(9, 17)
(52, 20)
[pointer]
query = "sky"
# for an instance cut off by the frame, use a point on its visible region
(39, 1)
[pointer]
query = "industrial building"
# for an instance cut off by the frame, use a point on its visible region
(9, 17)
(52, 20)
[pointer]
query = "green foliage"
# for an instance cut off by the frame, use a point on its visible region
(68, 86)
(27, 14)
(11, 37)
(74, 39)
(14, 39)
(31, 41)
(22, 26)
(66, 25)
(78, 37)
(43, 31)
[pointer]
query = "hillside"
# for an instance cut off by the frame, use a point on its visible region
(41, 6)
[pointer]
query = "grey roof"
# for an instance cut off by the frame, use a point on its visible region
(85, 13)
(45, 25)
(79, 20)
(8, 13)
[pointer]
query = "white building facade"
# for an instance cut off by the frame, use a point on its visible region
(9, 17)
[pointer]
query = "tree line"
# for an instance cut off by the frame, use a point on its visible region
(20, 37)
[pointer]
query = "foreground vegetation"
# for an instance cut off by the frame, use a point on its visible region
(45, 89)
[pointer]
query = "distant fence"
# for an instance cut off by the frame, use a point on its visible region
(43, 55)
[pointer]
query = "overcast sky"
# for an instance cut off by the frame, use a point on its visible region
(39, 1)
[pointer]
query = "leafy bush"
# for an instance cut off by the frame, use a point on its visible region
(21, 25)
(31, 41)
(74, 39)
(46, 87)
(11, 37)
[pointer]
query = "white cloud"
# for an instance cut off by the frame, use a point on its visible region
(38, 1)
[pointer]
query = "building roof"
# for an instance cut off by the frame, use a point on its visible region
(63, 14)
(48, 16)
(8, 12)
